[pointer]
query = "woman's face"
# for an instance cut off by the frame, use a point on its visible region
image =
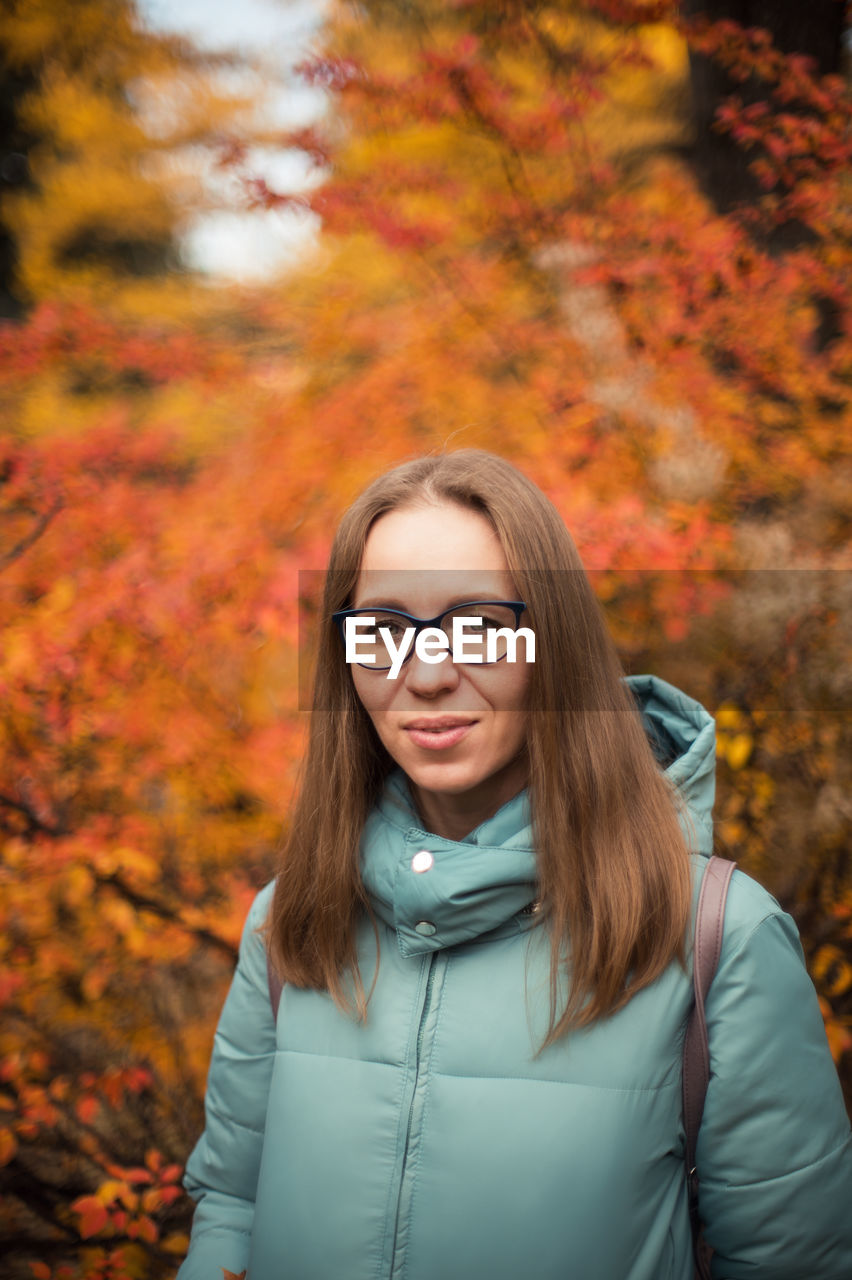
(456, 729)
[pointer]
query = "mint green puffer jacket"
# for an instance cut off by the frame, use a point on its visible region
(432, 1144)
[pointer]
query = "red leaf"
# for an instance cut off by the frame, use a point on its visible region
(87, 1109)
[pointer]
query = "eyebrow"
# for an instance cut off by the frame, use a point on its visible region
(383, 603)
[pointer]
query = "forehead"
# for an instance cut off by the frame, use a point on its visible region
(431, 556)
(445, 536)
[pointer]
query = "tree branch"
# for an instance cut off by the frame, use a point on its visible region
(33, 536)
(141, 901)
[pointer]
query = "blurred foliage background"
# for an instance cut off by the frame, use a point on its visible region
(607, 239)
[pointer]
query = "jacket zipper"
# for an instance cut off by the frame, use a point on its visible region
(424, 1013)
(430, 978)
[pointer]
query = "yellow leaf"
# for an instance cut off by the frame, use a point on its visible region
(729, 716)
(838, 1034)
(142, 865)
(60, 597)
(176, 1243)
(842, 980)
(823, 960)
(94, 983)
(829, 960)
(739, 749)
(78, 885)
(119, 914)
(111, 1190)
(733, 831)
(17, 654)
(839, 1039)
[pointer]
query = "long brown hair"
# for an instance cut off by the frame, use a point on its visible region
(614, 878)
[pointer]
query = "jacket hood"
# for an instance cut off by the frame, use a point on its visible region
(486, 883)
(683, 738)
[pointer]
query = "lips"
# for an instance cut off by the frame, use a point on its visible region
(438, 723)
(438, 733)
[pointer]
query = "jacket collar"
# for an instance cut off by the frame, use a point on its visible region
(471, 887)
(482, 884)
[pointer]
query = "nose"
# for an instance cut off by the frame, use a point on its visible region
(430, 678)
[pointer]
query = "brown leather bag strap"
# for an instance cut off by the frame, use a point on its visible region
(709, 926)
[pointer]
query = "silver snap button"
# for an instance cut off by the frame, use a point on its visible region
(422, 861)
(425, 927)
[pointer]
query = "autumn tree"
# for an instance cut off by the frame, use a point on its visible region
(144, 757)
(93, 106)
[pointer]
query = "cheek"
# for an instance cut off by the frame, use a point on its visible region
(510, 692)
(511, 732)
(374, 691)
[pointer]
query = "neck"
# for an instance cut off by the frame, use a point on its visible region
(454, 816)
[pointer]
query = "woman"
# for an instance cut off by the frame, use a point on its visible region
(481, 920)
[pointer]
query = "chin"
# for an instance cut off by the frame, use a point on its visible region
(447, 778)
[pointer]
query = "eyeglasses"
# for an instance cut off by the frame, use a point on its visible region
(485, 635)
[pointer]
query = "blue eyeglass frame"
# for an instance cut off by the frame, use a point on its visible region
(420, 624)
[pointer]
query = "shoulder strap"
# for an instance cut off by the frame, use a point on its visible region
(709, 926)
(275, 986)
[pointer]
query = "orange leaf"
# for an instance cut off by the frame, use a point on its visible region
(8, 1146)
(93, 1215)
(151, 1200)
(676, 628)
(148, 1229)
